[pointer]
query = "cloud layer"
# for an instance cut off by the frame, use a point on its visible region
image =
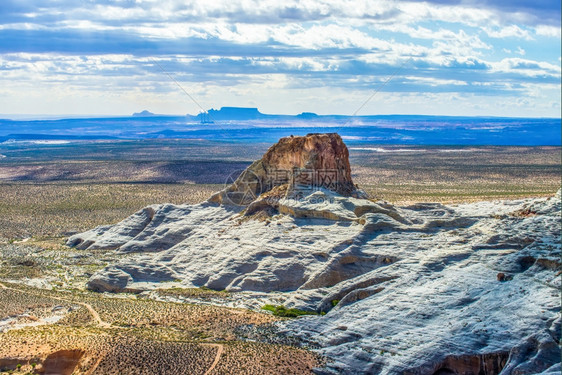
(466, 57)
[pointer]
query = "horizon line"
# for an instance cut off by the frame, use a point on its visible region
(45, 117)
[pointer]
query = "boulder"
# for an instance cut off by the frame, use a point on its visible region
(111, 280)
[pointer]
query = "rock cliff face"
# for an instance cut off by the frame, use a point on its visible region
(299, 165)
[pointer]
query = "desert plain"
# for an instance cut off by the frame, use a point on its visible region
(51, 323)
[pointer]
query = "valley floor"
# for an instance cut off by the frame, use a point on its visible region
(54, 191)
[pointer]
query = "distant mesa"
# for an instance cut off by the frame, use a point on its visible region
(144, 113)
(234, 113)
(244, 114)
(307, 115)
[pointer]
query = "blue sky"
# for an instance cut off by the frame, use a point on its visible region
(460, 57)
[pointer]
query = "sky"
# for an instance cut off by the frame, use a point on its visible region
(116, 57)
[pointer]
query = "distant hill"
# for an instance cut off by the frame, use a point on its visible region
(307, 115)
(144, 113)
(245, 123)
(247, 113)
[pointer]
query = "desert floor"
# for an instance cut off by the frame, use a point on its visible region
(49, 192)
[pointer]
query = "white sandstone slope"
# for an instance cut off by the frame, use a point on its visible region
(444, 308)
(215, 246)
(424, 289)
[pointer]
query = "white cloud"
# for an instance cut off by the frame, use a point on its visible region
(550, 31)
(291, 51)
(511, 31)
(526, 67)
(435, 81)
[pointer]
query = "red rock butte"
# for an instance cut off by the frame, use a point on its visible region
(298, 163)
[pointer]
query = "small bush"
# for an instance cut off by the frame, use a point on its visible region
(287, 313)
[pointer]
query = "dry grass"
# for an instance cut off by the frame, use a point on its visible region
(59, 209)
(198, 293)
(50, 260)
(145, 336)
(14, 304)
(427, 174)
(124, 354)
(189, 321)
(256, 359)
(107, 354)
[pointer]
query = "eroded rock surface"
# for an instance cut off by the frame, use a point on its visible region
(438, 306)
(300, 163)
(415, 288)
(62, 362)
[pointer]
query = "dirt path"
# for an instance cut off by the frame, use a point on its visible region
(101, 323)
(220, 349)
(95, 315)
(91, 310)
(95, 366)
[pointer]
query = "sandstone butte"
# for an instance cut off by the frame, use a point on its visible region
(295, 165)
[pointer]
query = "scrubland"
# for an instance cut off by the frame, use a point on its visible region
(72, 194)
(48, 193)
(58, 209)
(139, 336)
(457, 175)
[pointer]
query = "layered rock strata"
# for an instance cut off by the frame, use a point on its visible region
(297, 165)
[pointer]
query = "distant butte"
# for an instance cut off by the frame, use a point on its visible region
(235, 113)
(144, 113)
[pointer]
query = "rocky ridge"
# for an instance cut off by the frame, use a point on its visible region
(407, 290)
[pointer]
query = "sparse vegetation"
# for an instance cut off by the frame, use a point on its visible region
(50, 192)
(199, 293)
(282, 311)
(55, 210)
(80, 190)
(478, 173)
(142, 334)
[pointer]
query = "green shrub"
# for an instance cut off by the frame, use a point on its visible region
(285, 312)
